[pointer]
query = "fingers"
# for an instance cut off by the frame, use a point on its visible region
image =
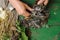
(23, 12)
(46, 2)
(21, 7)
(26, 14)
(28, 8)
(42, 2)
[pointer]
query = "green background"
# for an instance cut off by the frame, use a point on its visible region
(53, 32)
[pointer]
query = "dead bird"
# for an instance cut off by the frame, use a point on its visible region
(39, 16)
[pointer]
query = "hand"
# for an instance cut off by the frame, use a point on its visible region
(45, 2)
(21, 7)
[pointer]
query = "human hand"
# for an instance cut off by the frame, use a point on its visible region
(21, 7)
(45, 2)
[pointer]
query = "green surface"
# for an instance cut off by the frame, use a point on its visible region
(54, 22)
